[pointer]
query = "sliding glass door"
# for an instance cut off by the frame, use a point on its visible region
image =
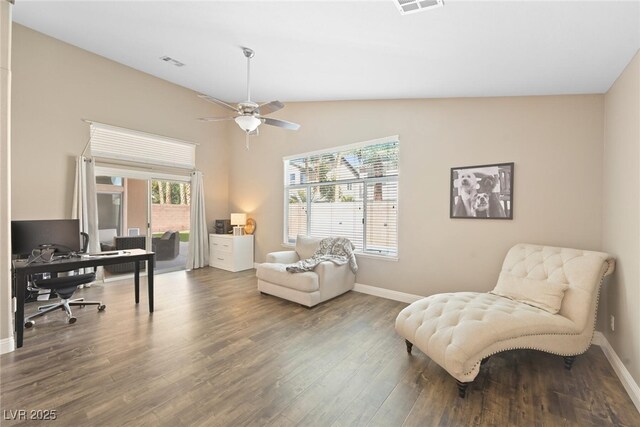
(170, 223)
(138, 209)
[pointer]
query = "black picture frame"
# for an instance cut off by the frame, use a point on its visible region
(490, 197)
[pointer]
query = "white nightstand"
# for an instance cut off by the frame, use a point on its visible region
(231, 253)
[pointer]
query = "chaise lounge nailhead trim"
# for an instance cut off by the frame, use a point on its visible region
(557, 354)
(460, 330)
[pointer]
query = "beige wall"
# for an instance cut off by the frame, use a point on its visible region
(6, 330)
(137, 200)
(555, 142)
(621, 214)
(55, 85)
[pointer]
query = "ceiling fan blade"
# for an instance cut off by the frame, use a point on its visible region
(281, 123)
(217, 101)
(269, 107)
(215, 119)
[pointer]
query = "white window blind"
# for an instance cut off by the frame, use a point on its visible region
(297, 204)
(111, 142)
(349, 191)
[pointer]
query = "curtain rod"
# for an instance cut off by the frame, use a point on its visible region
(139, 131)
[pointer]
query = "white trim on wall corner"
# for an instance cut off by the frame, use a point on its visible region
(598, 339)
(7, 345)
(386, 293)
(621, 371)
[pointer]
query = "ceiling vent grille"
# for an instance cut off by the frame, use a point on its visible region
(172, 61)
(411, 6)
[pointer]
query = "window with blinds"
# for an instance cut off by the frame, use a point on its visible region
(349, 191)
(111, 142)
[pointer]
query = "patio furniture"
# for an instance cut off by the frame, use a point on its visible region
(167, 247)
(124, 243)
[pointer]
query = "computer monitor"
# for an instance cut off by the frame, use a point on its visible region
(62, 234)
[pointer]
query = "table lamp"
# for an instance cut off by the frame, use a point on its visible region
(238, 220)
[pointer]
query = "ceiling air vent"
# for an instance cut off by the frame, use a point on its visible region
(411, 6)
(172, 61)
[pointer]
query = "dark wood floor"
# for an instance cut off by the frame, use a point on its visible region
(217, 353)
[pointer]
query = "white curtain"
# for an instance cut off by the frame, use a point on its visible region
(85, 203)
(199, 236)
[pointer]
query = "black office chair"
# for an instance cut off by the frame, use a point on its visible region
(65, 287)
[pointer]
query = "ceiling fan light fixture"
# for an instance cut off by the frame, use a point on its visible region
(248, 123)
(247, 114)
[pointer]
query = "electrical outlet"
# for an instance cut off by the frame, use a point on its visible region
(613, 323)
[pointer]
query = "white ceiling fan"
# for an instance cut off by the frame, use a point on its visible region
(249, 115)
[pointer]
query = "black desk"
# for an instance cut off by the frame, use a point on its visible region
(21, 270)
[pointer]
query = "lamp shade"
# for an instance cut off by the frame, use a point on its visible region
(238, 219)
(248, 123)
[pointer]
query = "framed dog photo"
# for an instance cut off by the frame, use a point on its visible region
(484, 191)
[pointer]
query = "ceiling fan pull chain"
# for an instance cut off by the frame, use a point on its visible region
(247, 141)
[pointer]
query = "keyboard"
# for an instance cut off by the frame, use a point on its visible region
(105, 254)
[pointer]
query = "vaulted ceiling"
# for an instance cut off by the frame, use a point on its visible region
(333, 50)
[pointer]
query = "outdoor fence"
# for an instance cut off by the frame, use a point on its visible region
(170, 217)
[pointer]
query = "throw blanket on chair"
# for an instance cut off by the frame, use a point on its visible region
(338, 250)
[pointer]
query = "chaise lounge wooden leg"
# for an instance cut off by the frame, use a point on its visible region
(462, 388)
(409, 346)
(568, 362)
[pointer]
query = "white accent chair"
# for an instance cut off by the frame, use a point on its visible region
(310, 288)
(460, 331)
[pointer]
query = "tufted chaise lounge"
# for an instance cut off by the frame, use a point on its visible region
(460, 330)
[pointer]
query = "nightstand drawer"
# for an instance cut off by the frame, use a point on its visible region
(221, 244)
(222, 260)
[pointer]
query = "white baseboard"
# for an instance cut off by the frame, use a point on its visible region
(386, 293)
(7, 345)
(621, 371)
(598, 339)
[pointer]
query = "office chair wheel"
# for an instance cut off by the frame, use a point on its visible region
(101, 307)
(29, 324)
(72, 320)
